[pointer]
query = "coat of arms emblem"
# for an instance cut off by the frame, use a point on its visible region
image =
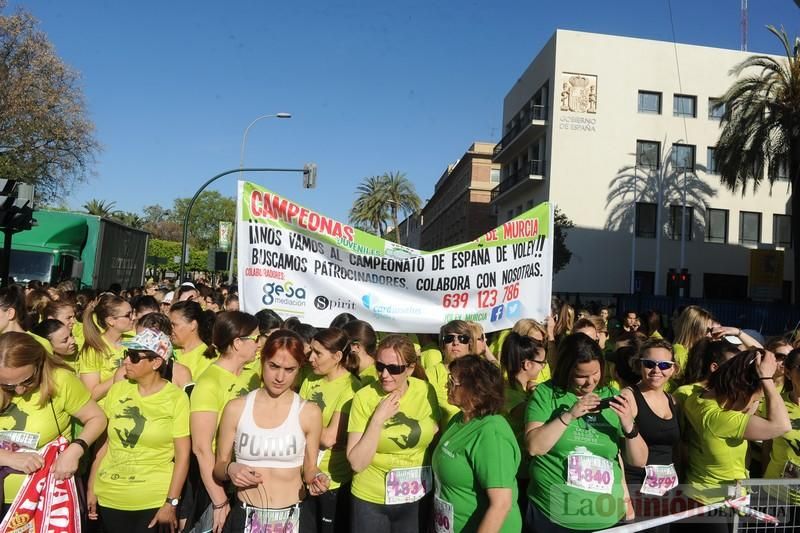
(579, 94)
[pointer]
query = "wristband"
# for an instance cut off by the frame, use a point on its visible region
(562, 420)
(633, 432)
(82, 443)
(227, 474)
(220, 506)
(766, 378)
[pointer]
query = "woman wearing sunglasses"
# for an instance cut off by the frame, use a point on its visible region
(235, 336)
(657, 419)
(331, 386)
(104, 322)
(138, 473)
(392, 424)
(273, 437)
(457, 340)
(40, 396)
(721, 419)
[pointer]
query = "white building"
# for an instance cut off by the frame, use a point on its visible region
(597, 124)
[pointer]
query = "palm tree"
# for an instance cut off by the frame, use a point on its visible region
(369, 211)
(401, 196)
(99, 208)
(129, 219)
(761, 126)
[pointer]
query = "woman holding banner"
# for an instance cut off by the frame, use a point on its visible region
(392, 424)
(574, 429)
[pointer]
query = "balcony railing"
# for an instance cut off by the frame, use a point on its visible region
(536, 167)
(536, 112)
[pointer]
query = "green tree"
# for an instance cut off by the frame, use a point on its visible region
(561, 254)
(46, 137)
(761, 126)
(380, 199)
(208, 211)
(133, 220)
(101, 208)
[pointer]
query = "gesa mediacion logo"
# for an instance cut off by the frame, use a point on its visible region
(382, 308)
(286, 293)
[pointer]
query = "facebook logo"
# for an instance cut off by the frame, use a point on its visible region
(497, 313)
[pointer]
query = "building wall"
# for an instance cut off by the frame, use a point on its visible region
(591, 163)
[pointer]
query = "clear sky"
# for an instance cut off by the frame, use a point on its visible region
(374, 86)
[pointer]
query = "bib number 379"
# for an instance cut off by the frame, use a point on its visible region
(406, 485)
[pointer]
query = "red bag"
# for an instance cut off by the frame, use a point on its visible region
(44, 504)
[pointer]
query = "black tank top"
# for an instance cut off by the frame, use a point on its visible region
(660, 435)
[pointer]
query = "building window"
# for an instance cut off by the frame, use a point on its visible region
(648, 154)
(717, 225)
(716, 108)
(683, 157)
(711, 161)
(645, 220)
(749, 227)
(779, 168)
(676, 226)
(649, 102)
(782, 230)
(684, 106)
(494, 177)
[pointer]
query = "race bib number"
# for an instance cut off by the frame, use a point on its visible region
(659, 479)
(15, 440)
(442, 516)
(406, 485)
(589, 472)
(272, 520)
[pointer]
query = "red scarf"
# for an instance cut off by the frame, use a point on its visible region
(44, 504)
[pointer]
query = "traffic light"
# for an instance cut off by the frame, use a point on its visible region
(16, 205)
(309, 175)
(684, 282)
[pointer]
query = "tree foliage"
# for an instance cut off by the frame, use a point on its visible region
(561, 254)
(761, 128)
(46, 137)
(208, 211)
(100, 208)
(380, 199)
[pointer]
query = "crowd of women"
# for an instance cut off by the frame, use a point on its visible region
(185, 414)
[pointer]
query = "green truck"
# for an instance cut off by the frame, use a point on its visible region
(93, 251)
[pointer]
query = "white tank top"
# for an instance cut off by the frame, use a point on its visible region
(283, 446)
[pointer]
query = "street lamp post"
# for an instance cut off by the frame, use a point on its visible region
(241, 167)
(306, 170)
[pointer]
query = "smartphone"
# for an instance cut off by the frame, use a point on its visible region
(604, 403)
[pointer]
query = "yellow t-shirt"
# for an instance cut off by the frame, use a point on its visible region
(368, 376)
(430, 356)
(137, 469)
(682, 393)
(404, 440)
(496, 346)
(437, 376)
(332, 397)
(716, 448)
(105, 363)
(44, 342)
(785, 454)
(681, 357)
(77, 332)
(194, 360)
(25, 423)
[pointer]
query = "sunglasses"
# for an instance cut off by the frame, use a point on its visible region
(451, 382)
(135, 357)
(463, 339)
(391, 369)
(650, 364)
(12, 387)
(253, 338)
(126, 315)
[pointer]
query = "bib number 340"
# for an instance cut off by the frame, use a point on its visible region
(406, 485)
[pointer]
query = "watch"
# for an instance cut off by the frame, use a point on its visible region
(173, 501)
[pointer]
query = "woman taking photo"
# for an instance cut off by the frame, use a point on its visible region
(191, 332)
(235, 335)
(40, 396)
(477, 458)
(104, 323)
(138, 473)
(392, 423)
(331, 386)
(721, 420)
(363, 343)
(273, 436)
(575, 443)
(61, 340)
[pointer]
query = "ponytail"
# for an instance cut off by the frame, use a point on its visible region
(516, 350)
(94, 321)
(192, 312)
(336, 340)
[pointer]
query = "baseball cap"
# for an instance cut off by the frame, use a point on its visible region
(168, 297)
(150, 340)
(188, 284)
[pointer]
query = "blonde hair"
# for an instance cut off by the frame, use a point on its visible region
(566, 320)
(405, 350)
(691, 326)
(527, 326)
(95, 318)
(475, 332)
(20, 349)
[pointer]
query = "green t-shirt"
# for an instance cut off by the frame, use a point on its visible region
(332, 397)
(35, 426)
(470, 458)
(368, 376)
(136, 471)
(404, 440)
(194, 360)
(600, 434)
(430, 356)
(716, 448)
(437, 376)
